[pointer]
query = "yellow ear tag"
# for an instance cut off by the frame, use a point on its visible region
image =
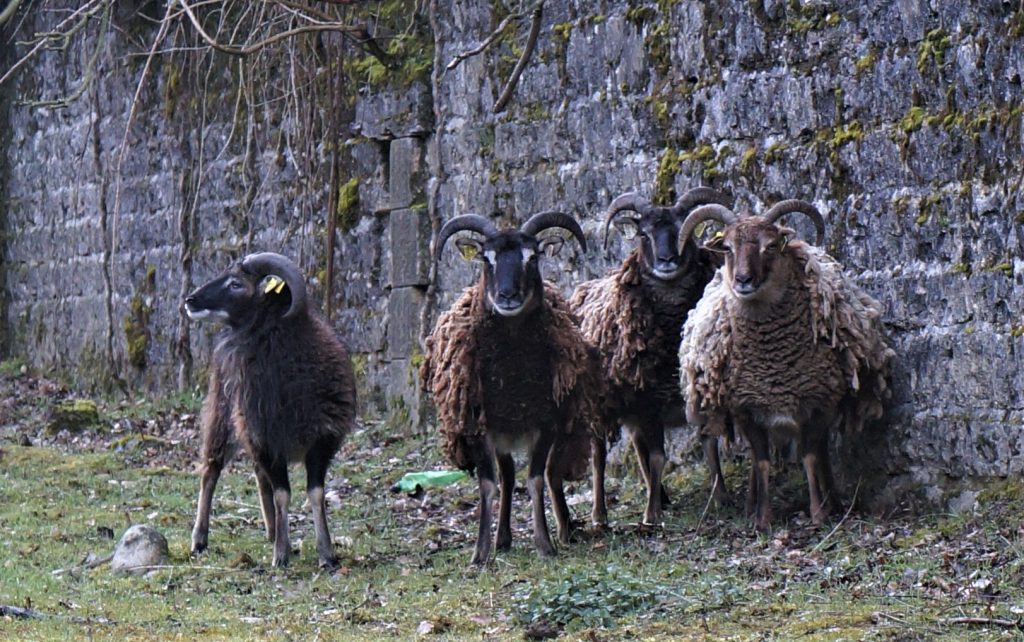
(469, 252)
(274, 283)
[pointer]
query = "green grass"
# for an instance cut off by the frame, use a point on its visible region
(703, 576)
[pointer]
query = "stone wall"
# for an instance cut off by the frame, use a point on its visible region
(900, 120)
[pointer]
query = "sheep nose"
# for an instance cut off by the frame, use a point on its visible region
(743, 279)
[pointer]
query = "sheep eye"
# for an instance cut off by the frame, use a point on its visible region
(235, 284)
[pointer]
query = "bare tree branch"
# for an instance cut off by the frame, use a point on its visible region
(85, 10)
(457, 60)
(8, 11)
(90, 70)
(531, 43)
(248, 49)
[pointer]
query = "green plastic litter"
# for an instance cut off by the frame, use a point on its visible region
(429, 478)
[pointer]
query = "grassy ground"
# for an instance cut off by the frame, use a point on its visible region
(404, 575)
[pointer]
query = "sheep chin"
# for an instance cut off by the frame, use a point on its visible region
(204, 315)
(746, 296)
(666, 275)
(509, 312)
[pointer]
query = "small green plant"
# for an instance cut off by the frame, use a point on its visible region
(933, 48)
(597, 597)
(13, 367)
(865, 63)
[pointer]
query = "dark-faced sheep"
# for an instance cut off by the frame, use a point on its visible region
(508, 367)
(785, 344)
(634, 315)
(281, 385)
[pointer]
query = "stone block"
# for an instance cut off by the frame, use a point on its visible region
(410, 247)
(406, 179)
(403, 322)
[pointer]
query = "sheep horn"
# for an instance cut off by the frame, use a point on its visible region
(708, 212)
(544, 220)
(698, 196)
(466, 222)
(628, 201)
(263, 263)
(782, 208)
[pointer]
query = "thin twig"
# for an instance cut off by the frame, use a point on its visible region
(841, 522)
(90, 69)
(83, 566)
(707, 506)
(986, 621)
(457, 60)
(251, 48)
(531, 43)
(85, 9)
(8, 11)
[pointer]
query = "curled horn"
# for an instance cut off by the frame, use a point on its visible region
(466, 222)
(697, 196)
(265, 263)
(628, 201)
(782, 208)
(544, 220)
(709, 212)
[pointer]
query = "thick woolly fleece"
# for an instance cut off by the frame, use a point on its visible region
(462, 345)
(845, 332)
(635, 326)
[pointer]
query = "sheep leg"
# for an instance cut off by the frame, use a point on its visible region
(830, 496)
(760, 472)
(815, 459)
(266, 503)
(709, 442)
(598, 462)
(555, 478)
(218, 448)
(317, 461)
(207, 484)
(485, 473)
(277, 473)
(653, 465)
(535, 484)
(507, 476)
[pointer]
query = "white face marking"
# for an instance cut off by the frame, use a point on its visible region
(527, 254)
(203, 315)
(666, 276)
(491, 256)
(508, 312)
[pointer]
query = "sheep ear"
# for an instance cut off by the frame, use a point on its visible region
(626, 226)
(551, 245)
(787, 233)
(272, 283)
(714, 244)
(470, 249)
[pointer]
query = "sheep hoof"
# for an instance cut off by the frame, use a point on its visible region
(329, 564)
(546, 553)
(478, 562)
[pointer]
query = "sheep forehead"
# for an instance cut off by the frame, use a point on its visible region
(510, 242)
(754, 232)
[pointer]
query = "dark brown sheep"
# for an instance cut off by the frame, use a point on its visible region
(634, 315)
(507, 368)
(281, 385)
